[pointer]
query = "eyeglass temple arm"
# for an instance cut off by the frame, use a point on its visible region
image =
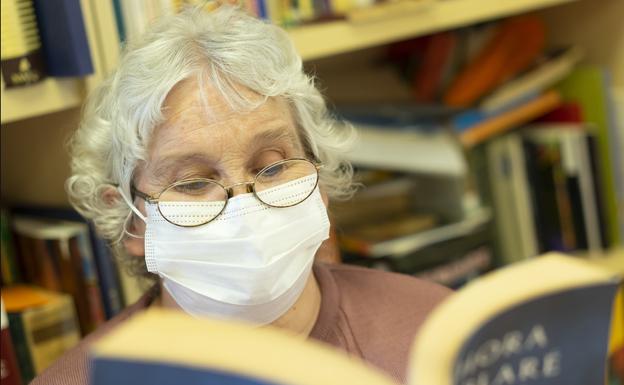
(142, 195)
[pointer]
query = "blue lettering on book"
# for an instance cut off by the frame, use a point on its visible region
(558, 339)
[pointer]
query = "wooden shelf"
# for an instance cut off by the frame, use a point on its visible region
(326, 39)
(408, 244)
(50, 95)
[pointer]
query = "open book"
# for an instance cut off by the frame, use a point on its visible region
(544, 321)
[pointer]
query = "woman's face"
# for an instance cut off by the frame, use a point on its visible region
(219, 143)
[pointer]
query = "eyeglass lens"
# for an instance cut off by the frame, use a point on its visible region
(195, 202)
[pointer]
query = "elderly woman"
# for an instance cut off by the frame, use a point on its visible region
(209, 159)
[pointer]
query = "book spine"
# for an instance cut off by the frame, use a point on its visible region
(9, 374)
(429, 75)
(108, 277)
(275, 13)
(597, 190)
(71, 280)
(562, 198)
(27, 259)
(521, 194)
(49, 276)
(515, 45)
(540, 169)
(87, 305)
(510, 119)
(589, 199)
(502, 169)
(22, 349)
(90, 277)
(536, 81)
(121, 28)
(262, 9)
(10, 272)
(306, 10)
(64, 38)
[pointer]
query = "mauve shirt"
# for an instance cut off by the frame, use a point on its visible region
(367, 313)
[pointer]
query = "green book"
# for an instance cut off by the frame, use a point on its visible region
(22, 349)
(9, 269)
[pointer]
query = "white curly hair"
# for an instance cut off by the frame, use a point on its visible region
(226, 47)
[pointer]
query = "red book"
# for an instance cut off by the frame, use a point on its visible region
(514, 47)
(568, 112)
(429, 76)
(9, 375)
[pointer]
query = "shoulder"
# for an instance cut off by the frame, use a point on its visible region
(359, 285)
(379, 312)
(74, 366)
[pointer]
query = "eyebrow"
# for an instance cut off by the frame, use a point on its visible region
(278, 134)
(169, 163)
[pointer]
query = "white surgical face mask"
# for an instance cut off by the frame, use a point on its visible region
(251, 263)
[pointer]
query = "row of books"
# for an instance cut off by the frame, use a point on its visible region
(565, 174)
(491, 77)
(42, 38)
(552, 188)
(414, 224)
(474, 66)
(415, 138)
(59, 283)
(134, 17)
(545, 190)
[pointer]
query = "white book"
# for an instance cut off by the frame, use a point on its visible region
(407, 150)
(511, 199)
(534, 81)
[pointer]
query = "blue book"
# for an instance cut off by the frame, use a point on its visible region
(63, 38)
(262, 9)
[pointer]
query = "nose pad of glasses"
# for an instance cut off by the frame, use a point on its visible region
(248, 188)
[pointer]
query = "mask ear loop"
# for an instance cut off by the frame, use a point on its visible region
(135, 210)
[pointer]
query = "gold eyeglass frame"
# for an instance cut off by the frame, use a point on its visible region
(250, 187)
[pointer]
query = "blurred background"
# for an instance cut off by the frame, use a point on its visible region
(490, 131)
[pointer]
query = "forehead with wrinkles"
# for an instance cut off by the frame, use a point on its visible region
(201, 127)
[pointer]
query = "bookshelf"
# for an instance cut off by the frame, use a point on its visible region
(52, 95)
(36, 120)
(312, 42)
(326, 39)
(44, 114)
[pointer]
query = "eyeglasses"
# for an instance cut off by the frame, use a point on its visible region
(195, 202)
